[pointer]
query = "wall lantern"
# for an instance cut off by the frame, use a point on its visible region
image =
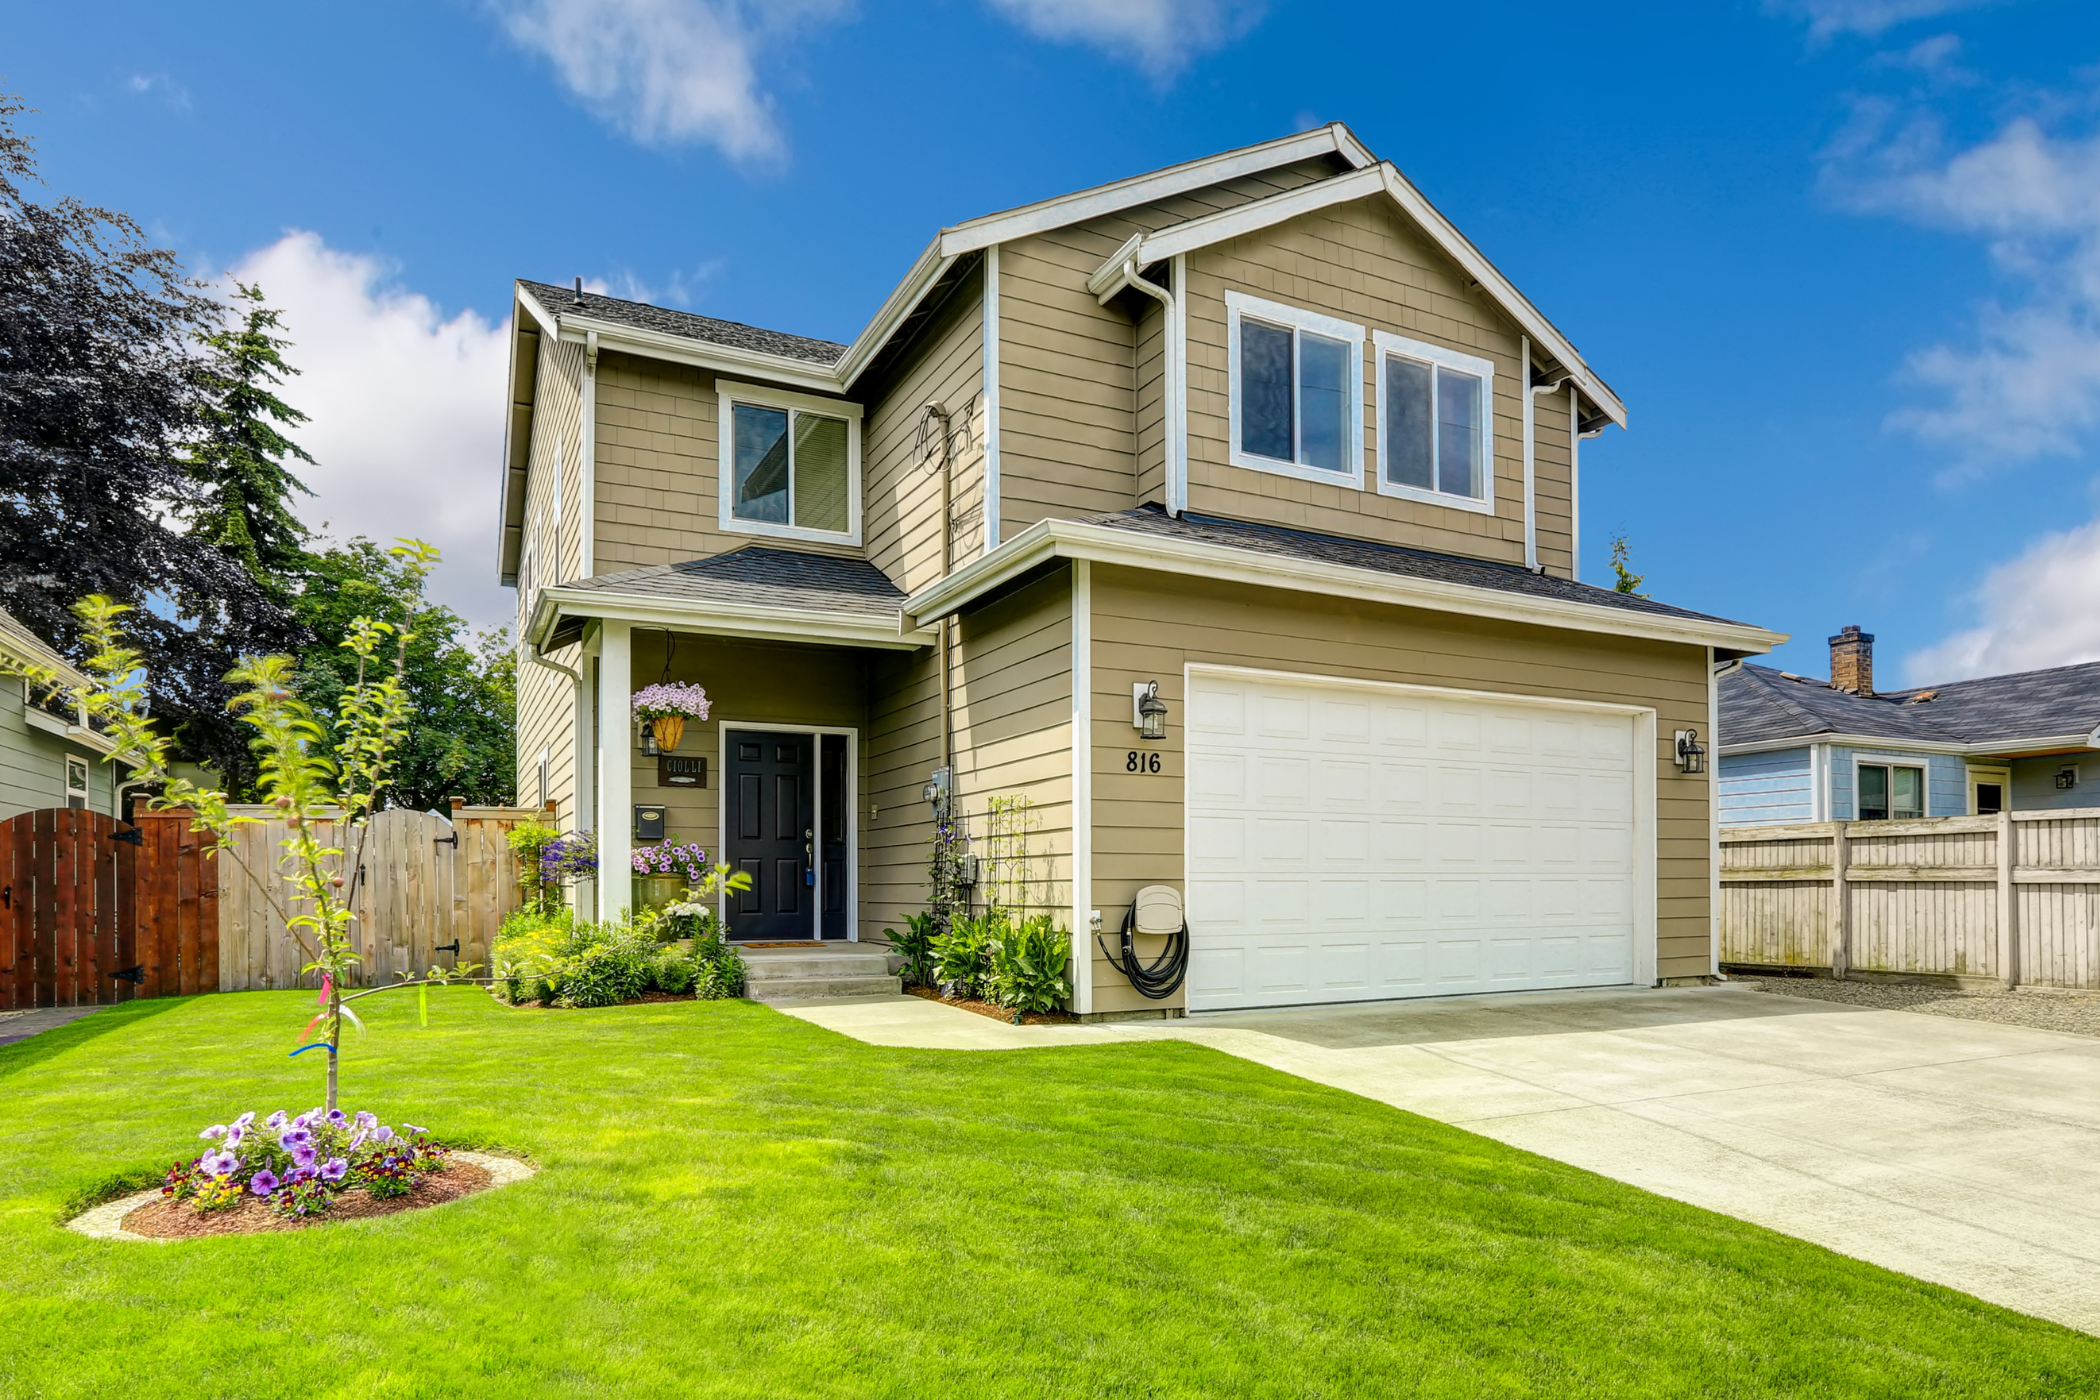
(1149, 711)
(649, 745)
(1690, 756)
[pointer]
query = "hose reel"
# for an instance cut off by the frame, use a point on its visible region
(1156, 911)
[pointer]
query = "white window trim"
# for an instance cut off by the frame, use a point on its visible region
(1238, 304)
(1881, 760)
(1390, 344)
(729, 394)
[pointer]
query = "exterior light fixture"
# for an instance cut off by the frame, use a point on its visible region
(649, 745)
(1690, 756)
(1151, 712)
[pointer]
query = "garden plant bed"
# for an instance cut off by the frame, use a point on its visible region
(994, 1010)
(645, 999)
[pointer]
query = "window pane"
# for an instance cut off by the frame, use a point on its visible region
(1410, 452)
(820, 472)
(1908, 796)
(1265, 390)
(1990, 799)
(1873, 794)
(1323, 403)
(1459, 435)
(760, 484)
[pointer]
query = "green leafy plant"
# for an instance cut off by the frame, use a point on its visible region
(915, 946)
(617, 967)
(1625, 579)
(528, 840)
(962, 956)
(718, 968)
(673, 972)
(1028, 963)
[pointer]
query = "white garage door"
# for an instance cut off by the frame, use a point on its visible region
(1352, 843)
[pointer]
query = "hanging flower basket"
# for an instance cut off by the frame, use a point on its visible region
(666, 706)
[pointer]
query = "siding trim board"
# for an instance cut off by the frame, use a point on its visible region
(728, 619)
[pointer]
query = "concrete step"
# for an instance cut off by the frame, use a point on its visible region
(821, 988)
(786, 963)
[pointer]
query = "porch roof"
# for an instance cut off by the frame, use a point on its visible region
(755, 591)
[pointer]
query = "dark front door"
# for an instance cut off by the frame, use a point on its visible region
(770, 791)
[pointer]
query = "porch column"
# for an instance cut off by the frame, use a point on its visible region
(615, 769)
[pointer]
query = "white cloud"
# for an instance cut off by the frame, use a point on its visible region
(668, 72)
(174, 94)
(2029, 383)
(2041, 609)
(1830, 18)
(1160, 36)
(406, 409)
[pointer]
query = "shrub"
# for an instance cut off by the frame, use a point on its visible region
(915, 946)
(719, 970)
(673, 972)
(962, 957)
(527, 956)
(1028, 964)
(616, 966)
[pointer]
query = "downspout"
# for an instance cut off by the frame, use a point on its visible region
(1174, 424)
(587, 462)
(1575, 437)
(1531, 508)
(532, 654)
(937, 411)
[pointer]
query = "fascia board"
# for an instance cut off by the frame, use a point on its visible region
(925, 274)
(2045, 745)
(547, 322)
(773, 624)
(1049, 214)
(1104, 545)
(71, 733)
(1257, 214)
(657, 345)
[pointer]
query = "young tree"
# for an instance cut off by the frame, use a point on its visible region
(462, 687)
(1627, 581)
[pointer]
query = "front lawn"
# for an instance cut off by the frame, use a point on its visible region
(734, 1202)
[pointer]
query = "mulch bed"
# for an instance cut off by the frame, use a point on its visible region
(178, 1220)
(996, 1012)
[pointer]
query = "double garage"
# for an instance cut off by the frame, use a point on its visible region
(1353, 841)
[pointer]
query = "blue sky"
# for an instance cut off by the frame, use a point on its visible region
(1840, 257)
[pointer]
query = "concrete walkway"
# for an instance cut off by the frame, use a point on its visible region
(1956, 1151)
(20, 1025)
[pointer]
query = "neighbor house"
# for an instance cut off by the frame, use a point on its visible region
(1803, 749)
(49, 756)
(1261, 439)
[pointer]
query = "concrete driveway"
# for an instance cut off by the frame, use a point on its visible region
(1962, 1152)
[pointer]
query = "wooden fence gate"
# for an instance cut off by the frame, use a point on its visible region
(94, 910)
(433, 893)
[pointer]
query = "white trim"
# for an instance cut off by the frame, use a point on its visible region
(1646, 927)
(2024, 748)
(615, 769)
(548, 324)
(1048, 214)
(730, 393)
(817, 731)
(1073, 539)
(1406, 348)
(1819, 782)
(759, 621)
(1296, 319)
(703, 354)
(926, 274)
(1082, 786)
(587, 466)
(1893, 760)
(990, 338)
(1713, 803)
(2000, 774)
(1177, 389)
(72, 733)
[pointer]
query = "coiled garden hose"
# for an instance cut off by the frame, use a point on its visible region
(1159, 978)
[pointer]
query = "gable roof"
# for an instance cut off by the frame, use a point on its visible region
(2055, 708)
(641, 315)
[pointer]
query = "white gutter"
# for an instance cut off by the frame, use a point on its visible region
(2023, 748)
(1072, 539)
(732, 619)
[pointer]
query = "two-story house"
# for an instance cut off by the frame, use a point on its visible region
(1260, 438)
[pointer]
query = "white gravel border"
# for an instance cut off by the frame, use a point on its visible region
(106, 1221)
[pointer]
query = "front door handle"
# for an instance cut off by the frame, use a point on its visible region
(809, 856)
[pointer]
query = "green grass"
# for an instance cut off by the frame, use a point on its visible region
(734, 1202)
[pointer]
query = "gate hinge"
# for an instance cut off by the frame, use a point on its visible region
(134, 836)
(452, 840)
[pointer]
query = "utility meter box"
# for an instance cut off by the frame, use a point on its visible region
(648, 823)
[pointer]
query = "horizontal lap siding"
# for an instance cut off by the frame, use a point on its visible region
(1364, 262)
(546, 712)
(902, 486)
(1767, 788)
(1149, 626)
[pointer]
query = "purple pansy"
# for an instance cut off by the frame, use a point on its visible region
(263, 1182)
(334, 1169)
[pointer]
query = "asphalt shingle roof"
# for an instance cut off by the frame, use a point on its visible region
(763, 578)
(1381, 558)
(1759, 704)
(642, 315)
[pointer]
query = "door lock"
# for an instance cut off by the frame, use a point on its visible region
(809, 856)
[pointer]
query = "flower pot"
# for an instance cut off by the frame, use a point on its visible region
(655, 891)
(669, 730)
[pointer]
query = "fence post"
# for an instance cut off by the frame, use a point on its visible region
(2007, 944)
(1840, 902)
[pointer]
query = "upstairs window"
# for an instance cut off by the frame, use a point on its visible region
(790, 465)
(1888, 792)
(1436, 438)
(1297, 391)
(76, 783)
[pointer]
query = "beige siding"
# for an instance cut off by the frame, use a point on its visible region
(1013, 735)
(1366, 263)
(1555, 494)
(1151, 333)
(546, 703)
(902, 490)
(1149, 626)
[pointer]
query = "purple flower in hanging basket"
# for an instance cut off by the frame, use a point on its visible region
(671, 698)
(334, 1169)
(218, 1164)
(263, 1182)
(216, 1130)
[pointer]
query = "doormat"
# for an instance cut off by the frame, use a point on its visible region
(803, 943)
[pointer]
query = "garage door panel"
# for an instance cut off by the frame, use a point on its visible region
(1347, 845)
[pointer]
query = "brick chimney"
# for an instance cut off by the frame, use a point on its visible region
(1852, 661)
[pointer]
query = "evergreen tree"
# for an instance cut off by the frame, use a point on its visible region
(238, 462)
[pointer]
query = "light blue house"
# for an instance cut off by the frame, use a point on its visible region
(1801, 749)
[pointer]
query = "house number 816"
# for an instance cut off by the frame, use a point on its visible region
(1135, 762)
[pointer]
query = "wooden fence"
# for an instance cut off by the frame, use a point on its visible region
(2012, 898)
(94, 910)
(433, 893)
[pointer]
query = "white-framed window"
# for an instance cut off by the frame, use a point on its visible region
(1297, 390)
(1436, 424)
(76, 782)
(790, 464)
(528, 568)
(1887, 791)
